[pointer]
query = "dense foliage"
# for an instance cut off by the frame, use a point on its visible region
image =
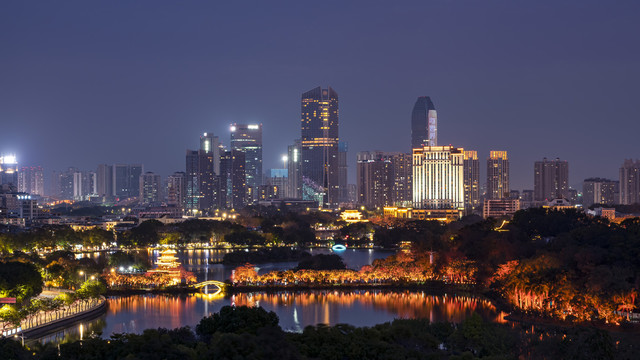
(253, 333)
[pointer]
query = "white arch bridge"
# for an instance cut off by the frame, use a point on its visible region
(219, 284)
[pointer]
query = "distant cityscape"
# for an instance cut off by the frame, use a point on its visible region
(430, 182)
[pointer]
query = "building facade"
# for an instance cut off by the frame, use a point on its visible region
(319, 146)
(176, 189)
(248, 139)
(551, 180)
(424, 123)
(150, 193)
(438, 178)
(31, 180)
(599, 191)
(232, 180)
(294, 172)
(471, 180)
(497, 175)
(630, 182)
(8, 170)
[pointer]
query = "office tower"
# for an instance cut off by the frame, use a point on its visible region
(232, 179)
(104, 182)
(630, 182)
(66, 181)
(319, 132)
(384, 179)
(53, 190)
(31, 180)
(176, 189)
(192, 194)
(248, 139)
(201, 182)
(8, 170)
(149, 189)
(402, 179)
(294, 188)
(551, 180)
(278, 178)
(78, 193)
(471, 181)
(125, 180)
(438, 177)
(497, 175)
(375, 178)
(599, 191)
(353, 193)
(424, 123)
(135, 170)
(343, 192)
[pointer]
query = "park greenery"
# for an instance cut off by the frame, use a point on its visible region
(253, 333)
(560, 264)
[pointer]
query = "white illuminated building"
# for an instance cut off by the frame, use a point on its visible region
(438, 177)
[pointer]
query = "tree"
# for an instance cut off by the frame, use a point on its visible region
(237, 320)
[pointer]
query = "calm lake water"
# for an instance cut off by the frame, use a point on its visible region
(296, 310)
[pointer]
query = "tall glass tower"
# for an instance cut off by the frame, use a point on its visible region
(319, 145)
(248, 139)
(424, 123)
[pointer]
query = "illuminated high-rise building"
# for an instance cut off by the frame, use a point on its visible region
(233, 187)
(471, 180)
(319, 133)
(294, 172)
(126, 179)
(176, 189)
(424, 123)
(551, 180)
(248, 139)
(8, 170)
(497, 175)
(384, 179)
(149, 189)
(104, 181)
(201, 176)
(599, 191)
(630, 182)
(31, 180)
(438, 178)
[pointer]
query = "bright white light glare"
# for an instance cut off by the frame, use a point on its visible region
(253, 127)
(233, 128)
(8, 159)
(285, 158)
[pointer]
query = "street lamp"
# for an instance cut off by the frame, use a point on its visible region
(93, 277)
(85, 275)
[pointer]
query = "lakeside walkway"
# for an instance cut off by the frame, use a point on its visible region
(43, 319)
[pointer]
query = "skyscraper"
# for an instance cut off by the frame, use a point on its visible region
(551, 180)
(149, 188)
(599, 191)
(438, 177)
(294, 188)
(424, 123)
(8, 170)
(497, 175)
(201, 176)
(31, 180)
(343, 192)
(248, 139)
(630, 182)
(176, 189)
(319, 132)
(126, 178)
(232, 179)
(104, 181)
(471, 180)
(383, 178)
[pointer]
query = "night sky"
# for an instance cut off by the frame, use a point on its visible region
(88, 82)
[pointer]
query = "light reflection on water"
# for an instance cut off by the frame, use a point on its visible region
(295, 309)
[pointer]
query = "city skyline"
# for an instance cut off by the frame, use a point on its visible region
(147, 107)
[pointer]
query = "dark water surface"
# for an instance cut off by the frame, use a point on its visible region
(295, 309)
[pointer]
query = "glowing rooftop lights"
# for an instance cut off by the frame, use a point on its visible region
(8, 159)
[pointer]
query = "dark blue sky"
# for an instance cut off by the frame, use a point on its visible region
(83, 83)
